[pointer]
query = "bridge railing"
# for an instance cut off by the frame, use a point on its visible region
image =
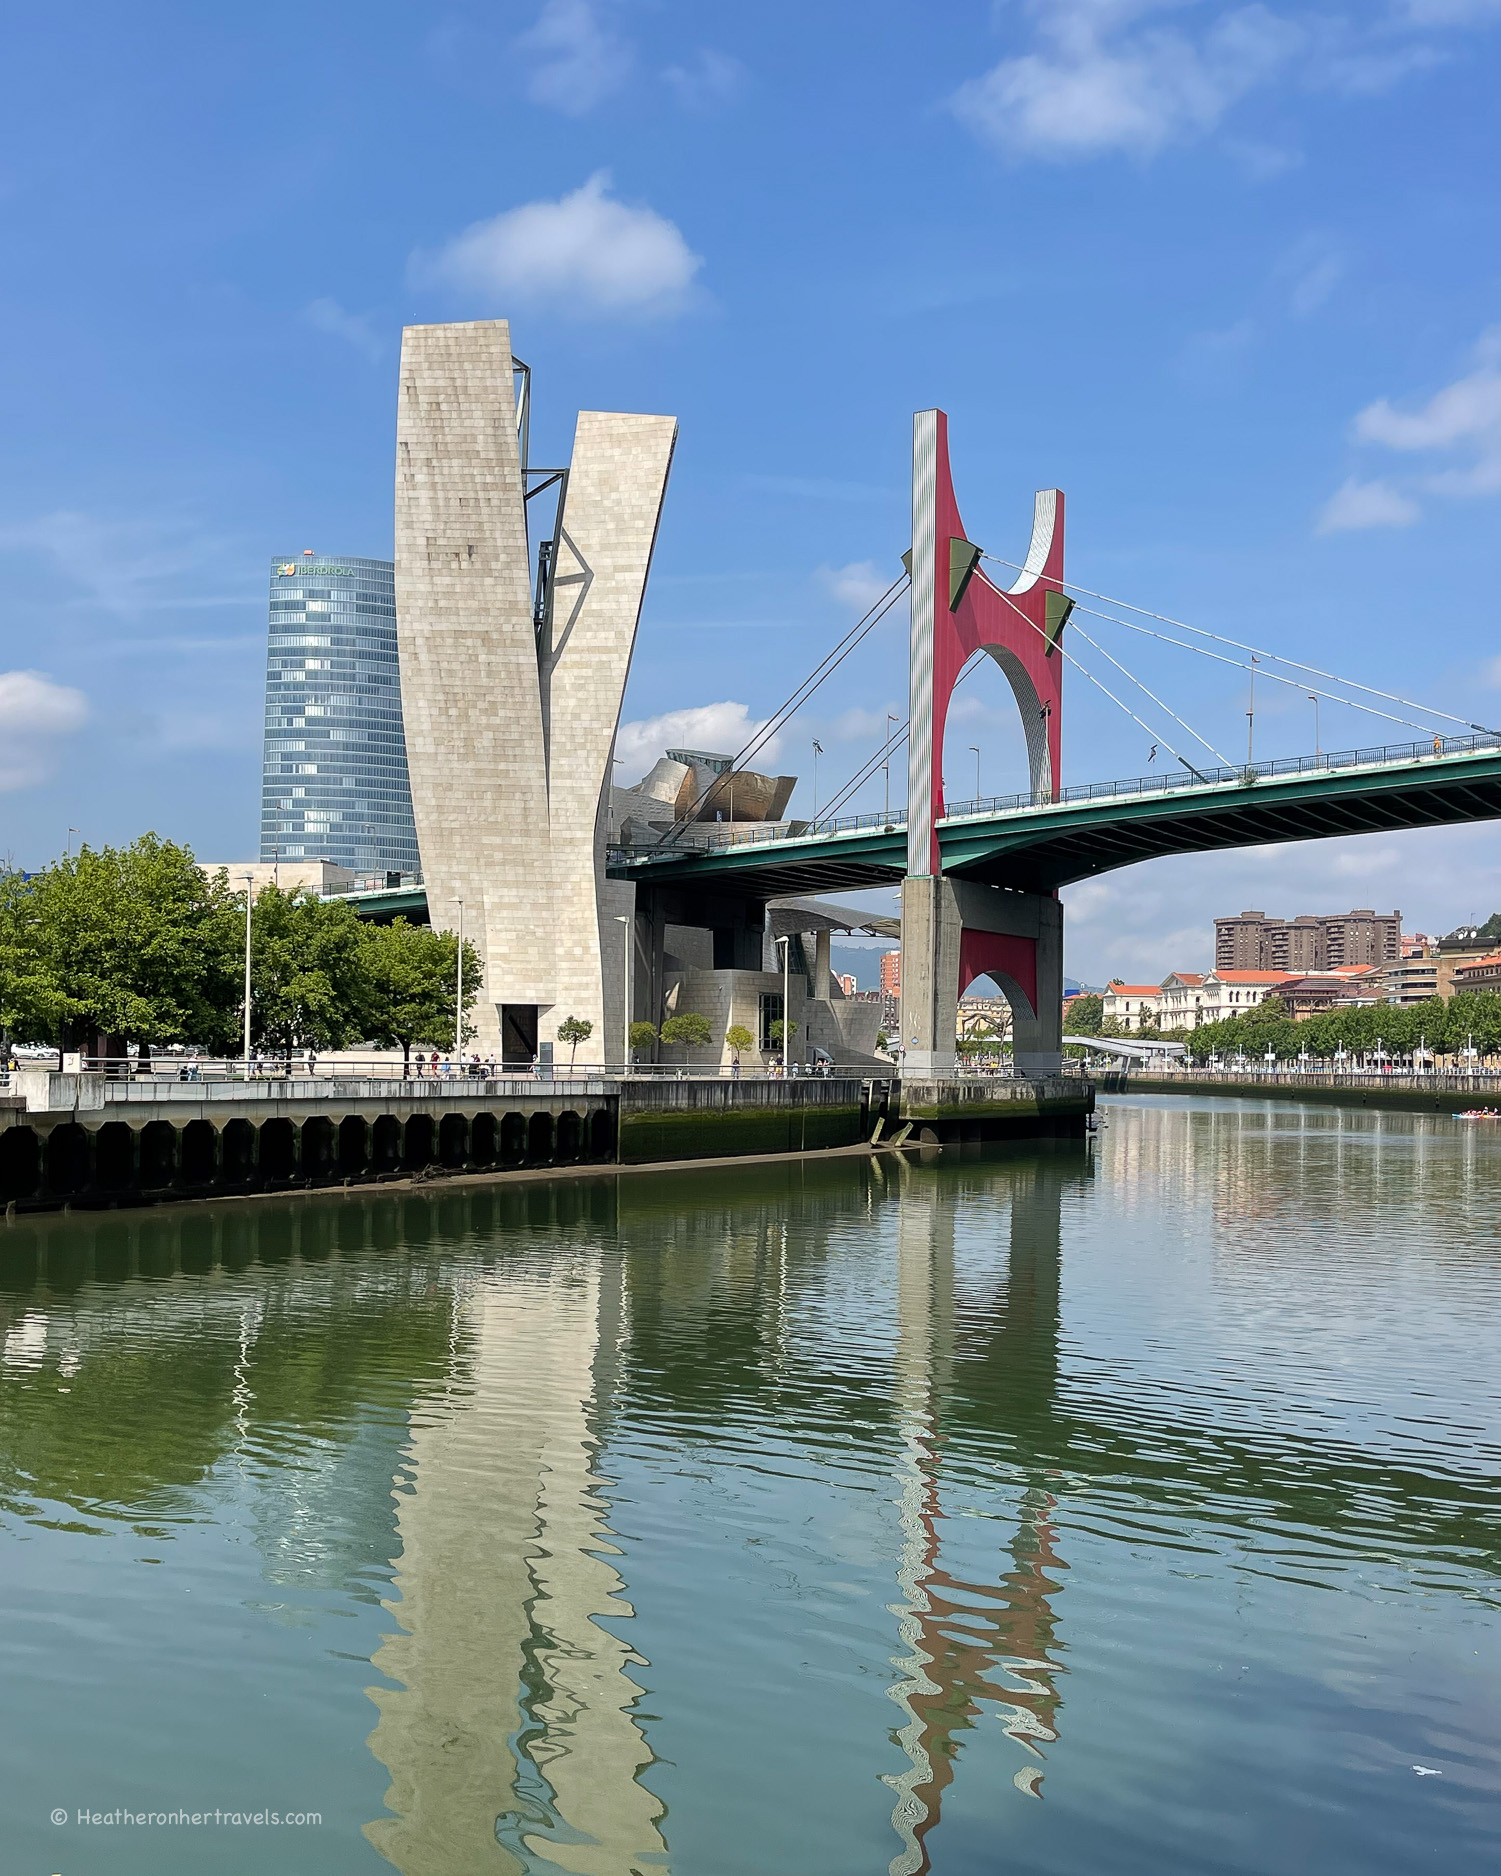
(742, 834)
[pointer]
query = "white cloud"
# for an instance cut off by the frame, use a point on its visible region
(35, 713)
(353, 328)
(1460, 422)
(1109, 76)
(858, 585)
(1101, 79)
(1464, 416)
(1363, 862)
(1366, 505)
(582, 61)
(707, 79)
(586, 254)
(723, 728)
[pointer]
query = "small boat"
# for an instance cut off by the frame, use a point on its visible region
(1480, 1113)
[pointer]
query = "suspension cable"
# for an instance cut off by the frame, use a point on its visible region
(866, 772)
(1155, 735)
(1223, 760)
(794, 702)
(888, 748)
(1300, 684)
(1256, 650)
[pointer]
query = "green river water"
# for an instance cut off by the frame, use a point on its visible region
(1125, 1507)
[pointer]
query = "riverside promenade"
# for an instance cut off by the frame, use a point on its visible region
(94, 1141)
(1399, 1091)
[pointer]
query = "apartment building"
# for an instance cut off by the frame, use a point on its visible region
(1310, 942)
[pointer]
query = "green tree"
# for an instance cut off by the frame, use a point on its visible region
(779, 1029)
(411, 978)
(642, 1035)
(1084, 1016)
(309, 983)
(739, 1038)
(573, 1030)
(120, 944)
(688, 1031)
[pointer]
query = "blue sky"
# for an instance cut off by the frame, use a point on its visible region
(1230, 276)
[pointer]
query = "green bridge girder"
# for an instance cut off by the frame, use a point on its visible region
(1037, 849)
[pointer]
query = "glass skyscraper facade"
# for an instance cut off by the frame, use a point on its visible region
(334, 780)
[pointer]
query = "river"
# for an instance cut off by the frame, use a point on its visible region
(1132, 1506)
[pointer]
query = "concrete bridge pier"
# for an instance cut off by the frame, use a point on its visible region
(953, 931)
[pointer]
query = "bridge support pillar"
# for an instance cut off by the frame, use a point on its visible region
(930, 978)
(954, 931)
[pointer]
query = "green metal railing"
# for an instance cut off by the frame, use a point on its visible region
(1436, 749)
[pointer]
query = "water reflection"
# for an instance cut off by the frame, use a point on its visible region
(970, 1643)
(510, 1738)
(761, 1487)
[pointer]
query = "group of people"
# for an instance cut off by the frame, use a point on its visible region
(437, 1068)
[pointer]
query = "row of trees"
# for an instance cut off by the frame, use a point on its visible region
(117, 946)
(1437, 1026)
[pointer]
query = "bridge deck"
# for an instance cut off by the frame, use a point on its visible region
(1037, 847)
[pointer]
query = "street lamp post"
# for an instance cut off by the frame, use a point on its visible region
(886, 769)
(1317, 748)
(975, 752)
(817, 752)
(625, 919)
(458, 1007)
(249, 879)
(786, 944)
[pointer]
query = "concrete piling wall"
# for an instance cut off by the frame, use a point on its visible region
(84, 1142)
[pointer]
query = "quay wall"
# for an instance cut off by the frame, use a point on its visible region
(1399, 1094)
(668, 1120)
(89, 1142)
(1039, 1107)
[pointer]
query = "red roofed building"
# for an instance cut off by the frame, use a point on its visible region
(1233, 993)
(1480, 973)
(1133, 1006)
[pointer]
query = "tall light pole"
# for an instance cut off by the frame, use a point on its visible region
(458, 1006)
(886, 767)
(1317, 749)
(1251, 717)
(786, 944)
(975, 752)
(249, 879)
(627, 920)
(817, 752)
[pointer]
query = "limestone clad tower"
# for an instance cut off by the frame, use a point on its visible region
(512, 690)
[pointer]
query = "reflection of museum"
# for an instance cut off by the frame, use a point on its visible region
(499, 1580)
